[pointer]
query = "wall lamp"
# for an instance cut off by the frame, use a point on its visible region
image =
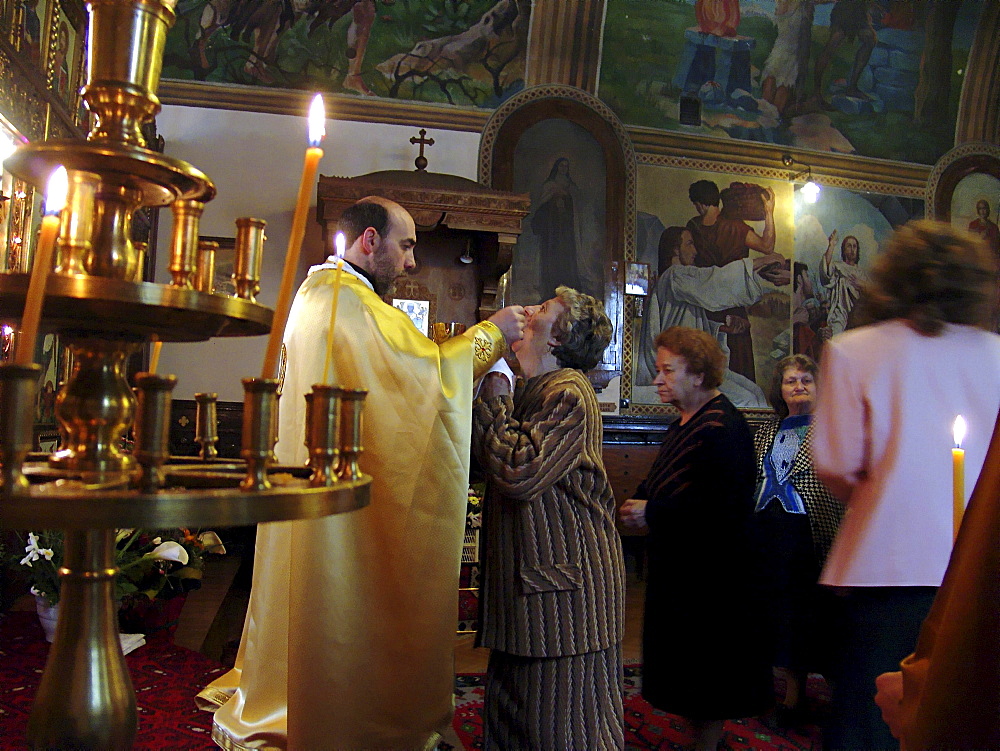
(810, 190)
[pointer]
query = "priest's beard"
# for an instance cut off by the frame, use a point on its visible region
(385, 273)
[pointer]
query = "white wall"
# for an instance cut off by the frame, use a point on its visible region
(255, 161)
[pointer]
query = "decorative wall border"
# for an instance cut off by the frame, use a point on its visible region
(553, 101)
(709, 164)
(839, 170)
(958, 163)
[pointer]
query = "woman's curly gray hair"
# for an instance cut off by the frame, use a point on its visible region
(583, 330)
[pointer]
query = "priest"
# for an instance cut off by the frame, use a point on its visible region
(349, 636)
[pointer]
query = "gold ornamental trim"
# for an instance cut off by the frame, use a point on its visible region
(338, 107)
(488, 346)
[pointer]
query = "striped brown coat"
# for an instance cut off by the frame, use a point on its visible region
(553, 578)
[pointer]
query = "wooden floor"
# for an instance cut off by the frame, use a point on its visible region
(212, 619)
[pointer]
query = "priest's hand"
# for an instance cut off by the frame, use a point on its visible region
(633, 515)
(494, 384)
(510, 321)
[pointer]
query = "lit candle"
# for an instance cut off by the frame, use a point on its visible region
(958, 476)
(55, 199)
(317, 129)
(340, 243)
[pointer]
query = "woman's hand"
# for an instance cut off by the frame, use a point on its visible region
(890, 699)
(633, 515)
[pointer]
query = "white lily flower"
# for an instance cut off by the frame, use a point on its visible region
(32, 540)
(157, 540)
(31, 556)
(212, 543)
(169, 551)
(47, 553)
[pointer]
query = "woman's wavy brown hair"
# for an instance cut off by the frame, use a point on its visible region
(699, 349)
(931, 274)
(583, 330)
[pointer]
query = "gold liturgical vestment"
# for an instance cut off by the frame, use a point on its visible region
(349, 637)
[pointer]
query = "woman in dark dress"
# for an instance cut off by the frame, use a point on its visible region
(703, 654)
(796, 519)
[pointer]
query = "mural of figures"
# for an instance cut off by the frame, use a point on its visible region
(836, 242)
(468, 53)
(868, 77)
(983, 225)
(844, 279)
(974, 206)
(554, 222)
(687, 294)
(563, 237)
(726, 271)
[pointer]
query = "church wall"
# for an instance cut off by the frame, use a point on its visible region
(255, 161)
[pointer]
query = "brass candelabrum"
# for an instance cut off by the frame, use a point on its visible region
(96, 300)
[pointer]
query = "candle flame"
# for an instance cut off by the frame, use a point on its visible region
(317, 120)
(959, 431)
(55, 192)
(340, 243)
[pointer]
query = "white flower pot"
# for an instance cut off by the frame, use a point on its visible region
(48, 615)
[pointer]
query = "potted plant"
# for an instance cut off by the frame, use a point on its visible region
(155, 567)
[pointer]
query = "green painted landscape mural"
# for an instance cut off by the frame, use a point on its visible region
(878, 78)
(462, 52)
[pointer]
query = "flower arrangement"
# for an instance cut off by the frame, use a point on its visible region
(151, 563)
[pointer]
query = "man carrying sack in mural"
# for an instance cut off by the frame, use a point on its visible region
(349, 637)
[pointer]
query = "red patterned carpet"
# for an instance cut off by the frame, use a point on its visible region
(649, 728)
(165, 677)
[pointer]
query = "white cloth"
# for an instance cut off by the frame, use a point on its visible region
(684, 295)
(883, 424)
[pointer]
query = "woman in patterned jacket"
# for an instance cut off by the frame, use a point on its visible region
(796, 519)
(552, 594)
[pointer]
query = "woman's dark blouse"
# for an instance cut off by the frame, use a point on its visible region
(703, 654)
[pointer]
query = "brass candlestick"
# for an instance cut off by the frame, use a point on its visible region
(206, 424)
(184, 243)
(204, 274)
(95, 407)
(323, 421)
(76, 224)
(152, 427)
(249, 252)
(351, 403)
(17, 412)
(85, 699)
(260, 422)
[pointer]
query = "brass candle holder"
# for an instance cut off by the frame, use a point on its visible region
(184, 242)
(99, 304)
(249, 253)
(76, 224)
(204, 273)
(152, 427)
(85, 699)
(17, 412)
(95, 408)
(323, 438)
(206, 422)
(260, 422)
(352, 401)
